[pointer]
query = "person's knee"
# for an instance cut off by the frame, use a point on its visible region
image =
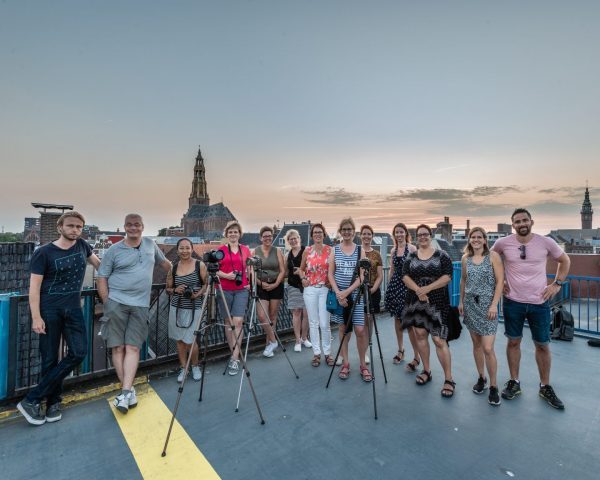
(118, 350)
(513, 343)
(439, 343)
(488, 350)
(543, 348)
(132, 349)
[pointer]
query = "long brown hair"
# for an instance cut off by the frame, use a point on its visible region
(469, 249)
(403, 227)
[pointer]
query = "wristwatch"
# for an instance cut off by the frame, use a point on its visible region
(558, 282)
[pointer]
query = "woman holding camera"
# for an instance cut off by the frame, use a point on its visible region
(234, 280)
(313, 271)
(295, 299)
(481, 286)
(427, 273)
(186, 282)
(375, 273)
(395, 294)
(345, 279)
(270, 286)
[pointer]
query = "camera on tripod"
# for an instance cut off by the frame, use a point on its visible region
(254, 261)
(214, 256)
(364, 263)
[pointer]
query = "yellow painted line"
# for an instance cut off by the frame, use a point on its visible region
(145, 429)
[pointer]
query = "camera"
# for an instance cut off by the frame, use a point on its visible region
(364, 263)
(188, 292)
(238, 278)
(254, 261)
(214, 256)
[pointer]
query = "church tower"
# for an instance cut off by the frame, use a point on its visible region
(586, 211)
(199, 195)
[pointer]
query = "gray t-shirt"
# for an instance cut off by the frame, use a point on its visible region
(129, 271)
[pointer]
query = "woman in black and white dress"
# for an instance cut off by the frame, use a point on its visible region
(295, 299)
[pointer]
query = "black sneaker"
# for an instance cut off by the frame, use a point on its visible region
(512, 388)
(53, 413)
(32, 412)
(480, 386)
(494, 397)
(547, 393)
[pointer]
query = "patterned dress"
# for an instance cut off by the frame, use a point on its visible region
(432, 315)
(395, 294)
(345, 265)
(479, 293)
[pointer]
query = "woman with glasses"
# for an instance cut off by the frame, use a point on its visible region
(345, 279)
(270, 286)
(313, 272)
(427, 273)
(395, 294)
(234, 280)
(481, 286)
(186, 283)
(295, 299)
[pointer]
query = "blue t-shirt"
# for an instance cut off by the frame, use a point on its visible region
(63, 272)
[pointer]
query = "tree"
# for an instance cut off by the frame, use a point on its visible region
(10, 237)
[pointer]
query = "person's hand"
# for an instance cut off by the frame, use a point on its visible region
(424, 298)
(422, 291)
(506, 288)
(372, 290)
(38, 325)
(492, 313)
(461, 308)
(267, 287)
(179, 290)
(343, 302)
(228, 276)
(305, 282)
(550, 291)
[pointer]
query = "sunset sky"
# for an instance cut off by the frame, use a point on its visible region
(305, 110)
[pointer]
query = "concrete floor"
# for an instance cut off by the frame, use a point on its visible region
(314, 433)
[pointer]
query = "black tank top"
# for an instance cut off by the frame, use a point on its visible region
(293, 279)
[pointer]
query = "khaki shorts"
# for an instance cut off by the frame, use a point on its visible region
(127, 325)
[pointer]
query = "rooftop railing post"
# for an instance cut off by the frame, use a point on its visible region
(13, 340)
(88, 316)
(4, 343)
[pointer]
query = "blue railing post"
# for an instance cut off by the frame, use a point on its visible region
(88, 316)
(4, 346)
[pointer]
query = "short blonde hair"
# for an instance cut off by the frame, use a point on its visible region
(289, 233)
(344, 221)
(232, 224)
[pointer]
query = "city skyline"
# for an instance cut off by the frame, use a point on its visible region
(395, 111)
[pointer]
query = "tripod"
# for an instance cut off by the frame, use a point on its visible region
(252, 322)
(365, 295)
(207, 320)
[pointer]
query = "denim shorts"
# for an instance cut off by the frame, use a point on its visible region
(537, 316)
(237, 302)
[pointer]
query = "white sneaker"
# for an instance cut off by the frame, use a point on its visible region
(340, 361)
(306, 343)
(121, 402)
(233, 367)
(270, 348)
(181, 375)
(367, 359)
(298, 347)
(196, 373)
(132, 398)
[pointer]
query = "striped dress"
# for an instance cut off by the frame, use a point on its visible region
(345, 265)
(181, 323)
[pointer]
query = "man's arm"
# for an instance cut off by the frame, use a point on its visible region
(94, 260)
(102, 286)
(35, 284)
(564, 264)
(166, 265)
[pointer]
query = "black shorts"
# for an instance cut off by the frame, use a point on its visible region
(375, 302)
(275, 294)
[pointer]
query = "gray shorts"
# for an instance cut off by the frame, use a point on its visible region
(237, 302)
(127, 325)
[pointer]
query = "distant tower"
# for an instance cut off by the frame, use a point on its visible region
(199, 195)
(586, 210)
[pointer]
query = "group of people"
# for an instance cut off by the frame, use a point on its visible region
(513, 270)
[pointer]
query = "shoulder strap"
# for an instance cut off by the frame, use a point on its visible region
(175, 270)
(198, 272)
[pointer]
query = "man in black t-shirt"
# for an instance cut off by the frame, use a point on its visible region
(57, 271)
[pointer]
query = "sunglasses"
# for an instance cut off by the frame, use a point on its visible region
(523, 250)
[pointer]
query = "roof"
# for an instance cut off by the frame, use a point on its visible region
(208, 211)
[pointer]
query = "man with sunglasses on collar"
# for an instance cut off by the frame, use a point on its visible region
(526, 297)
(124, 284)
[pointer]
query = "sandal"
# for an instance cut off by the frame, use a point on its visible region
(316, 361)
(448, 391)
(412, 365)
(329, 360)
(424, 377)
(398, 357)
(365, 374)
(344, 372)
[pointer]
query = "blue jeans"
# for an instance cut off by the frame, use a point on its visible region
(537, 316)
(68, 323)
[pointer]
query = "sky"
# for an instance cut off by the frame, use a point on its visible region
(386, 111)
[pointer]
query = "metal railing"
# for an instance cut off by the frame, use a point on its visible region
(20, 360)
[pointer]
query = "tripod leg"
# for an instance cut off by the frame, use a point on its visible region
(278, 338)
(347, 330)
(251, 322)
(379, 347)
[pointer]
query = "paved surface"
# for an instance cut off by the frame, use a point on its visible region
(314, 433)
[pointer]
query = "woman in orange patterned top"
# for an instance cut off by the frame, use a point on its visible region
(313, 272)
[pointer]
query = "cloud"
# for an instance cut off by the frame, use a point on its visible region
(334, 196)
(444, 195)
(452, 167)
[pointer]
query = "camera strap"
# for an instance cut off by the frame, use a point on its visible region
(356, 269)
(241, 257)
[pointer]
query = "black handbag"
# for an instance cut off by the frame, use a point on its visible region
(454, 326)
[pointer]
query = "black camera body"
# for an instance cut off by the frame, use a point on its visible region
(238, 278)
(188, 292)
(254, 261)
(214, 256)
(364, 263)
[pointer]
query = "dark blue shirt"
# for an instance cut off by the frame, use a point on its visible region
(63, 272)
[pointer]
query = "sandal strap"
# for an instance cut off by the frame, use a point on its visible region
(450, 382)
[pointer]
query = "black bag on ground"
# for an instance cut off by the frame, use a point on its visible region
(454, 326)
(563, 325)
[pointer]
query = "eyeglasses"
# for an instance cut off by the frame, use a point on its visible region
(135, 225)
(422, 235)
(347, 230)
(523, 250)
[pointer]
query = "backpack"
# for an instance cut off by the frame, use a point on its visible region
(563, 325)
(197, 268)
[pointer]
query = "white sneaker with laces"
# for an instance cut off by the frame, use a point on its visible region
(181, 375)
(121, 402)
(196, 373)
(132, 398)
(234, 367)
(298, 347)
(306, 343)
(268, 352)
